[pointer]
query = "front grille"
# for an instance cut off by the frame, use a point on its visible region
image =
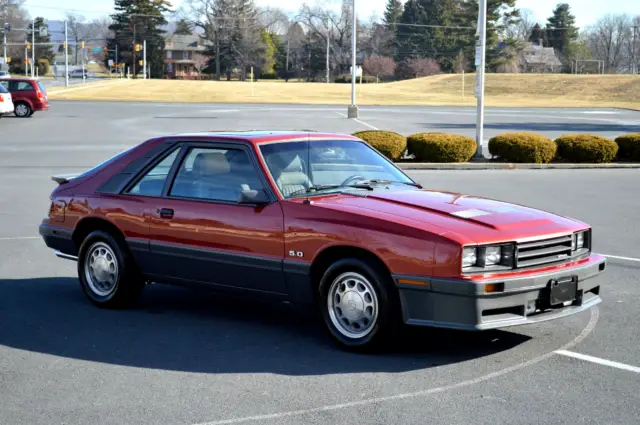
(547, 251)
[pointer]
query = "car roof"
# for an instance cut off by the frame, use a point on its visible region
(264, 136)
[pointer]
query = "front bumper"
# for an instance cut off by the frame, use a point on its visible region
(462, 304)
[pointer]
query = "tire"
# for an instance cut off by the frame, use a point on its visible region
(22, 110)
(31, 113)
(114, 282)
(361, 289)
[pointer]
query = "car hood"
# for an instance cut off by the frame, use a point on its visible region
(473, 219)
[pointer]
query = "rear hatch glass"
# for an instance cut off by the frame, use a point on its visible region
(3, 89)
(42, 89)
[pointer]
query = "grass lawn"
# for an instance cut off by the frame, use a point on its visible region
(517, 90)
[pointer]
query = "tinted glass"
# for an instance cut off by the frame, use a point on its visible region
(42, 89)
(215, 174)
(296, 166)
(3, 88)
(21, 86)
(152, 183)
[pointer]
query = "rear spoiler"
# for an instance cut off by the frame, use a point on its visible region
(63, 178)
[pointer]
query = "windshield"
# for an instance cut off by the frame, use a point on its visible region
(298, 166)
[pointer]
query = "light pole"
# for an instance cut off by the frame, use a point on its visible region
(481, 50)
(33, 48)
(352, 112)
(328, 49)
(66, 56)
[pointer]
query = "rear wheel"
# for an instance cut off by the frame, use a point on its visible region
(108, 274)
(22, 110)
(359, 304)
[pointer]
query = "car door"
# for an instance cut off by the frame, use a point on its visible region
(199, 231)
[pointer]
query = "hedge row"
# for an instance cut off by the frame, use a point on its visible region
(511, 147)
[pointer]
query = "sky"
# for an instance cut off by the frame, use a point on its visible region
(586, 11)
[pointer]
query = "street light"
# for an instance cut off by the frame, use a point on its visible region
(352, 112)
(481, 49)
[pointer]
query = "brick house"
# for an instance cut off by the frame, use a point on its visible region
(182, 53)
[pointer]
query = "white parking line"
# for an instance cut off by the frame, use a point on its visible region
(599, 361)
(358, 121)
(328, 408)
(622, 258)
(20, 238)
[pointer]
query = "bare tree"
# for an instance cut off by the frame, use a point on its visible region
(15, 14)
(200, 62)
(380, 66)
(422, 67)
(75, 26)
(607, 40)
(520, 30)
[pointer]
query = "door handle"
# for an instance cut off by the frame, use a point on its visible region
(165, 212)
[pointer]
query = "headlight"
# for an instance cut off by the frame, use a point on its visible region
(488, 256)
(579, 241)
(492, 255)
(469, 256)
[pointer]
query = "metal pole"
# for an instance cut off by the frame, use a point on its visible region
(144, 58)
(133, 51)
(66, 56)
(328, 48)
(4, 42)
(33, 47)
(83, 77)
(634, 66)
(26, 59)
(352, 112)
(480, 76)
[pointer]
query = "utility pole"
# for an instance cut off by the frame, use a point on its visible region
(634, 67)
(66, 56)
(26, 58)
(288, 44)
(82, 54)
(328, 50)
(144, 58)
(481, 50)
(4, 41)
(352, 111)
(133, 52)
(33, 47)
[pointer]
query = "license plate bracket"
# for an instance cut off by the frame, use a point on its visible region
(563, 290)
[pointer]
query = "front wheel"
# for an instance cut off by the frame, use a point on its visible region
(107, 272)
(359, 304)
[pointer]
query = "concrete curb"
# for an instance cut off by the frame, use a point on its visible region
(513, 166)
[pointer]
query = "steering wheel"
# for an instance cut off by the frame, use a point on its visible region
(353, 177)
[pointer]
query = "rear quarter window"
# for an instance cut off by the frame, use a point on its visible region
(3, 89)
(41, 87)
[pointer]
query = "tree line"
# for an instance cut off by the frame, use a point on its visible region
(413, 38)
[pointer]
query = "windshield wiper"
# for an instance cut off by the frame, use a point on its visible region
(321, 187)
(379, 181)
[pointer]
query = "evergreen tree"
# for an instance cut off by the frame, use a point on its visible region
(183, 28)
(500, 15)
(538, 36)
(392, 15)
(135, 21)
(313, 60)
(43, 47)
(562, 33)
(426, 42)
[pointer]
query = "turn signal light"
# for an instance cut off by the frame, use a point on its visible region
(490, 288)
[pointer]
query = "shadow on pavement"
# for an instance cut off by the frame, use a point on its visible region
(200, 331)
(540, 126)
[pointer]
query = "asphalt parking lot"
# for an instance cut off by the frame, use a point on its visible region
(185, 357)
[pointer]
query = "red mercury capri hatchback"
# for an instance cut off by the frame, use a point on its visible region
(322, 219)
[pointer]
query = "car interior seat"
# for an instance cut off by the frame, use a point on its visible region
(291, 176)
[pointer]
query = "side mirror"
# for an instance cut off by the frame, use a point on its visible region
(258, 197)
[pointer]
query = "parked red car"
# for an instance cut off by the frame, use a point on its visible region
(316, 218)
(29, 95)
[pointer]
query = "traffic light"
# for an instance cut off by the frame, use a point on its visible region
(82, 44)
(88, 47)
(28, 45)
(138, 47)
(8, 60)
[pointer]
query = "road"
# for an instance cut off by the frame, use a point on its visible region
(185, 357)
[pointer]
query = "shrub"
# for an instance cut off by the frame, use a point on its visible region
(523, 147)
(366, 79)
(268, 76)
(390, 144)
(440, 147)
(586, 148)
(629, 146)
